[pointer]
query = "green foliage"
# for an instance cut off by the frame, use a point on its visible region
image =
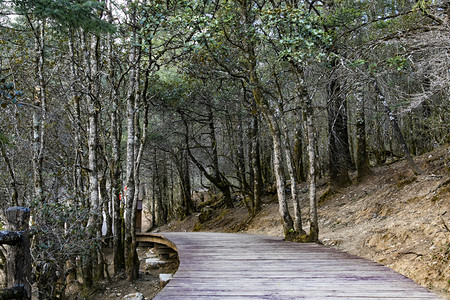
(358, 62)
(60, 234)
(59, 226)
(67, 13)
(298, 33)
(4, 139)
(397, 62)
(8, 94)
(422, 5)
(344, 16)
(171, 88)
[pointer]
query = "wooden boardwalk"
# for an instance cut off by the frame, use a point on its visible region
(240, 266)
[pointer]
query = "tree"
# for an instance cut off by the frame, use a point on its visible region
(243, 93)
(215, 176)
(339, 150)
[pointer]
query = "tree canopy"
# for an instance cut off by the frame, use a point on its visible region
(105, 104)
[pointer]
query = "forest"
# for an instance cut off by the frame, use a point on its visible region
(109, 105)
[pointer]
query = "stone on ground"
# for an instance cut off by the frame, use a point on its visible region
(164, 278)
(135, 296)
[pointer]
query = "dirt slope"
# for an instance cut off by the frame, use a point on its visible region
(393, 217)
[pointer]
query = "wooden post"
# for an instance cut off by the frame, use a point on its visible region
(18, 255)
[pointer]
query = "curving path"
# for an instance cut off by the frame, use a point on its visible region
(240, 266)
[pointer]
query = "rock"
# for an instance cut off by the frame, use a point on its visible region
(150, 253)
(135, 296)
(154, 262)
(164, 278)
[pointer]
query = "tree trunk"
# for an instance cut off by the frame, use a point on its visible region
(256, 167)
(298, 153)
(308, 118)
(288, 224)
(39, 114)
(130, 184)
(107, 210)
(362, 157)
(292, 175)
(240, 163)
(190, 205)
(93, 116)
(182, 165)
(115, 170)
(314, 224)
(18, 254)
(339, 151)
(153, 225)
(78, 161)
(14, 192)
(131, 203)
(396, 128)
(217, 179)
(161, 206)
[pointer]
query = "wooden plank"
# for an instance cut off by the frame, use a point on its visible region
(240, 266)
(226, 297)
(156, 239)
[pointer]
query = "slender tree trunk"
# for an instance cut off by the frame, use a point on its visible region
(79, 189)
(396, 128)
(288, 224)
(165, 204)
(140, 139)
(131, 203)
(182, 165)
(107, 210)
(380, 148)
(292, 175)
(115, 170)
(190, 206)
(14, 192)
(78, 179)
(339, 153)
(39, 114)
(298, 152)
(130, 190)
(130, 184)
(362, 157)
(153, 225)
(240, 163)
(308, 118)
(261, 102)
(314, 224)
(116, 188)
(159, 208)
(93, 116)
(256, 167)
(218, 177)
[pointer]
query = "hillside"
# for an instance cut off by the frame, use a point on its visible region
(393, 217)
